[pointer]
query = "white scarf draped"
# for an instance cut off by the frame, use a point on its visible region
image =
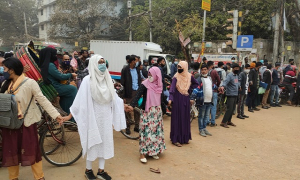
(102, 88)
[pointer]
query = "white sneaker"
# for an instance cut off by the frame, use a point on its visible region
(144, 160)
(155, 157)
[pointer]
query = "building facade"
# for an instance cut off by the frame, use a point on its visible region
(45, 10)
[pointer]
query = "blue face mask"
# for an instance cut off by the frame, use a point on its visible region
(102, 67)
(176, 62)
(1, 69)
(6, 75)
(67, 63)
(136, 64)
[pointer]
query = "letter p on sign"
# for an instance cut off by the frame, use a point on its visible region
(245, 40)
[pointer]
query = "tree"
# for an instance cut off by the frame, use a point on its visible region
(12, 21)
(83, 21)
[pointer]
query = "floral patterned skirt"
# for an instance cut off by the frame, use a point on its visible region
(152, 141)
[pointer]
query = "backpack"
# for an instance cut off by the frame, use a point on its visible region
(9, 110)
(286, 69)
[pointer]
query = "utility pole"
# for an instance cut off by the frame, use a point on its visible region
(277, 30)
(129, 13)
(25, 25)
(282, 47)
(151, 21)
(203, 34)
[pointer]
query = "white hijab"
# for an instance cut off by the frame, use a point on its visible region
(102, 88)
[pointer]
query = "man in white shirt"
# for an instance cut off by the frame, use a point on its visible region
(205, 84)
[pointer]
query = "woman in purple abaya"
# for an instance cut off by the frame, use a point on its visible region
(181, 87)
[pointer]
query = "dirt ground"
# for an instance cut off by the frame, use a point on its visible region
(266, 146)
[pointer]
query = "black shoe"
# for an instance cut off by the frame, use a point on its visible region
(273, 105)
(128, 131)
(90, 175)
(240, 117)
(265, 107)
(136, 130)
(213, 125)
(245, 116)
(207, 124)
(103, 175)
(278, 105)
(250, 110)
(256, 109)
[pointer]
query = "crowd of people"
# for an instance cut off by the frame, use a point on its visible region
(86, 92)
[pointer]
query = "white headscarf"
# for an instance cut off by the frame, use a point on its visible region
(102, 88)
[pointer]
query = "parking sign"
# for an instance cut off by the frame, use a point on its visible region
(244, 43)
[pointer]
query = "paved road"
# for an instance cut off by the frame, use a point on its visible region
(266, 146)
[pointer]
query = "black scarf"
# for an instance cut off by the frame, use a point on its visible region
(47, 56)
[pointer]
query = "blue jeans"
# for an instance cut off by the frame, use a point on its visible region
(274, 92)
(214, 108)
(167, 94)
(203, 116)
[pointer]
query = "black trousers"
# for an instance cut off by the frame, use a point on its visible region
(231, 103)
(252, 98)
(297, 98)
(292, 91)
(241, 102)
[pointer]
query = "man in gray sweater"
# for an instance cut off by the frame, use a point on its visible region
(232, 86)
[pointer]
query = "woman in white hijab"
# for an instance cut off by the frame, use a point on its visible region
(97, 109)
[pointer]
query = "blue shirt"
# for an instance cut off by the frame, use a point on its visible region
(173, 69)
(135, 80)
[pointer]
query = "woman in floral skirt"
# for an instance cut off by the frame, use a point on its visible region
(151, 129)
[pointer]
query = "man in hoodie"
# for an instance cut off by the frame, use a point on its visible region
(221, 72)
(232, 86)
(243, 91)
(267, 78)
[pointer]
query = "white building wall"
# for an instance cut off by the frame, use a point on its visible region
(45, 10)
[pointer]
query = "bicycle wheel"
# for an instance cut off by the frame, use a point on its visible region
(61, 145)
(129, 132)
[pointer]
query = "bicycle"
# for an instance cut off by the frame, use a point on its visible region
(193, 112)
(60, 145)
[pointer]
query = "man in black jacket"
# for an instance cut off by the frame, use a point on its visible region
(254, 85)
(267, 78)
(274, 86)
(131, 81)
(243, 91)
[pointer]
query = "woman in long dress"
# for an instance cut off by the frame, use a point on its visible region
(182, 84)
(152, 141)
(97, 109)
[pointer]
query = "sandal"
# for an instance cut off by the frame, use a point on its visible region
(155, 170)
(231, 124)
(224, 125)
(177, 144)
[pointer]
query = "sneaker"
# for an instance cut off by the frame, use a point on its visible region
(202, 133)
(245, 116)
(103, 175)
(207, 133)
(89, 174)
(128, 131)
(256, 109)
(273, 105)
(278, 105)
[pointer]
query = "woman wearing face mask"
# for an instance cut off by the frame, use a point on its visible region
(151, 130)
(97, 109)
(51, 75)
(21, 146)
(182, 85)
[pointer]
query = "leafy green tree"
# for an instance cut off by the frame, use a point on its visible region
(12, 21)
(83, 21)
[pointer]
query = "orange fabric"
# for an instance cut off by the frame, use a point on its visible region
(183, 79)
(37, 170)
(252, 65)
(12, 87)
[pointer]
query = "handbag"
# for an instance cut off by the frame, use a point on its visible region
(9, 110)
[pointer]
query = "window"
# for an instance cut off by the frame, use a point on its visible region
(42, 12)
(42, 27)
